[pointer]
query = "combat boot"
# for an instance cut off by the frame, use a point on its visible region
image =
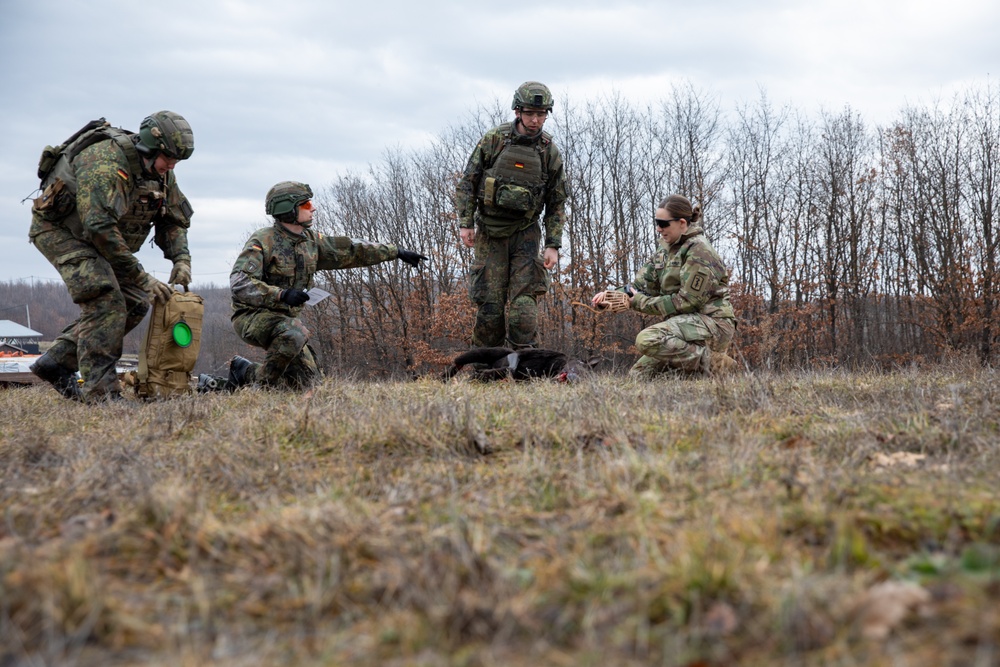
(60, 377)
(239, 372)
(721, 364)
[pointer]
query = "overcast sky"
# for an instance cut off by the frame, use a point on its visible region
(310, 89)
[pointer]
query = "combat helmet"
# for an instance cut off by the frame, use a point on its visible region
(167, 132)
(285, 196)
(532, 94)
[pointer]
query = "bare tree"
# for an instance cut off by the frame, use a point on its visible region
(983, 174)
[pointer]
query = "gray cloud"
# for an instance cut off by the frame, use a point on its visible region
(309, 89)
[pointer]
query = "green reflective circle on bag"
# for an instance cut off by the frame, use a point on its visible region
(182, 334)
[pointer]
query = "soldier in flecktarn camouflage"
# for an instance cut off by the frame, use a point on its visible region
(513, 175)
(270, 282)
(103, 192)
(687, 283)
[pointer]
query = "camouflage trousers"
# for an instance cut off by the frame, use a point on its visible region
(681, 343)
(110, 307)
(507, 269)
(289, 361)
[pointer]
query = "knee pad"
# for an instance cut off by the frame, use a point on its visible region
(490, 313)
(289, 340)
(135, 314)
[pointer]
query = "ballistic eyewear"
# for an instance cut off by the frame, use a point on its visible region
(663, 224)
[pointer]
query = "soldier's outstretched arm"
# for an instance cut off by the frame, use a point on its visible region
(410, 257)
(341, 252)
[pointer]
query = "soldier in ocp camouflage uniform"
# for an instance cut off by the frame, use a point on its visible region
(270, 283)
(121, 187)
(514, 173)
(687, 283)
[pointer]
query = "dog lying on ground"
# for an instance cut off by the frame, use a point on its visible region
(503, 363)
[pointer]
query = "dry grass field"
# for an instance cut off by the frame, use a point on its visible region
(794, 519)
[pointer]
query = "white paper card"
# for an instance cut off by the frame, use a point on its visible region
(316, 295)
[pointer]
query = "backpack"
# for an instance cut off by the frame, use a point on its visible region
(56, 175)
(170, 346)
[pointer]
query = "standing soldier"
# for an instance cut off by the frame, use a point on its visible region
(513, 174)
(104, 191)
(270, 283)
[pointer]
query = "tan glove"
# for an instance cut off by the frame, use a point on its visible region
(181, 275)
(153, 288)
(615, 302)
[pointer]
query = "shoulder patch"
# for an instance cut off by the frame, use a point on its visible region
(698, 282)
(250, 267)
(122, 174)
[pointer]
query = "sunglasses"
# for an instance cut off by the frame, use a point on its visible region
(663, 224)
(307, 205)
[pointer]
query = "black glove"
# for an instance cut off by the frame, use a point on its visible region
(410, 257)
(295, 297)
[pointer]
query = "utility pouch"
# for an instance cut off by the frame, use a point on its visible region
(50, 154)
(55, 202)
(515, 198)
(489, 191)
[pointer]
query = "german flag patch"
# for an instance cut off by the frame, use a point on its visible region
(255, 247)
(519, 165)
(122, 174)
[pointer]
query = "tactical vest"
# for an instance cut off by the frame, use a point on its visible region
(512, 190)
(57, 202)
(148, 198)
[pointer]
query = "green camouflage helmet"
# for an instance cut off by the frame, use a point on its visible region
(168, 133)
(285, 196)
(532, 94)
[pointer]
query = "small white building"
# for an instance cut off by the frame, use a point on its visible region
(18, 350)
(16, 337)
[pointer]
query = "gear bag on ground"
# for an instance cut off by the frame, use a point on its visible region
(170, 346)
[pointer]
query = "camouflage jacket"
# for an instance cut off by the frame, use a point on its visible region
(485, 154)
(686, 277)
(116, 209)
(275, 259)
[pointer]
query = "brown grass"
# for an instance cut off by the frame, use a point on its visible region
(798, 519)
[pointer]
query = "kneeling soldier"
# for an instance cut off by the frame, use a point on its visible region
(270, 283)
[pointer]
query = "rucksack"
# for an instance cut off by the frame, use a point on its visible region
(170, 346)
(57, 178)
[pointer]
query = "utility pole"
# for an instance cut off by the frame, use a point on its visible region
(27, 311)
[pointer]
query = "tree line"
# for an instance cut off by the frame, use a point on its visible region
(850, 244)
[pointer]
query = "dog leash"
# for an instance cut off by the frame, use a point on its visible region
(596, 311)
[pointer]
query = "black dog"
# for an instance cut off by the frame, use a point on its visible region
(503, 363)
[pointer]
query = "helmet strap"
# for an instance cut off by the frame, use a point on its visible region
(308, 223)
(522, 130)
(147, 159)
